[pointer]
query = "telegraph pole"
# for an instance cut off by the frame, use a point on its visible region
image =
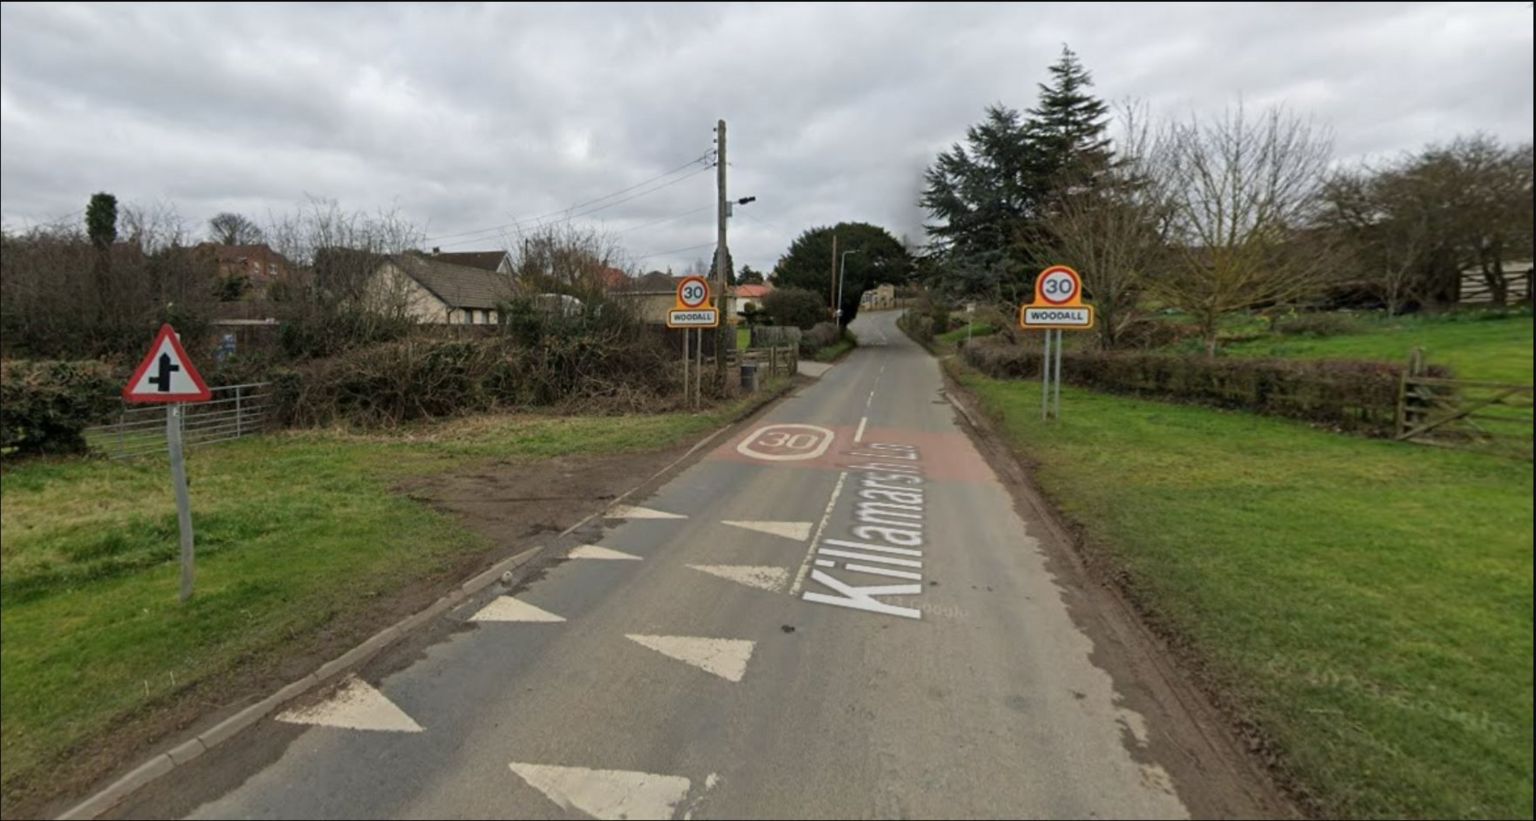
(832, 294)
(721, 300)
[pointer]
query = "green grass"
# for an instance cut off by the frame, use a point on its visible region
(951, 338)
(835, 350)
(293, 532)
(1368, 603)
(1476, 345)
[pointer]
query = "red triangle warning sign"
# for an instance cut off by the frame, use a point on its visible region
(166, 374)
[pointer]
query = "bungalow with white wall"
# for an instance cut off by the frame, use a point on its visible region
(434, 291)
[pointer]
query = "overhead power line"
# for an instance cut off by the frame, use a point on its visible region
(677, 250)
(702, 158)
(668, 219)
(580, 214)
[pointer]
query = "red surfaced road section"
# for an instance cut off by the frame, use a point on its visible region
(942, 456)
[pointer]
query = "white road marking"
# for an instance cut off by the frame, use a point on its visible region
(881, 571)
(592, 551)
(802, 442)
(631, 512)
(864, 598)
(859, 435)
(805, 566)
(870, 400)
(606, 793)
(506, 608)
(726, 658)
(799, 531)
(763, 578)
(355, 705)
(868, 557)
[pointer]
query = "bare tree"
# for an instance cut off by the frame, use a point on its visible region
(566, 259)
(1114, 232)
(1243, 192)
(1387, 245)
(54, 303)
(233, 229)
(345, 295)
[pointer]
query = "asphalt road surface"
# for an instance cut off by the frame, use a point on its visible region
(838, 612)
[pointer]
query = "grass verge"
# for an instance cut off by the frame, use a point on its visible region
(836, 349)
(1368, 606)
(1475, 344)
(295, 532)
(949, 339)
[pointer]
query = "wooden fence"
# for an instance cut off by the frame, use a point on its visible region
(1464, 413)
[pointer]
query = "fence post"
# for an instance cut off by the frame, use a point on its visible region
(1407, 412)
(238, 420)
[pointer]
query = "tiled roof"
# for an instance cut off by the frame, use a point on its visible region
(487, 260)
(458, 286)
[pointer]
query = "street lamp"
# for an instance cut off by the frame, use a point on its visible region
(842, 268)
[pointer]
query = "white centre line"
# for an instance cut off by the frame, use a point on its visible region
(858, 435)
(805, 566)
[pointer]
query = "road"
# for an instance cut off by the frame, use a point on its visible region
(844, 618)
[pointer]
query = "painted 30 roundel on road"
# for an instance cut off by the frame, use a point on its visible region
(786, 443)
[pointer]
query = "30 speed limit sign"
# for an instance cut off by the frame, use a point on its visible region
(1058, 285)
(692, 292)
(1058, 303)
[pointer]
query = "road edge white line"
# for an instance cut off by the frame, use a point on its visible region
(805, 566)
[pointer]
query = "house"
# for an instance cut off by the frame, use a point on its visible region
(498, 261)
(433, 291)
(745, 295)
(651, 295)
(1517, 275)
(879, 298)
(258, 263)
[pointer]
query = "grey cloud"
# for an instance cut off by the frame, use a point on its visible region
(469, 116)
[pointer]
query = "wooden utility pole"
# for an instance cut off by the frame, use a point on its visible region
(832, 295)
(721, 300)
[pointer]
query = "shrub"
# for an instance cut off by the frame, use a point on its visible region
(795, 306)
(818, 337)
(919, 326)
(320, 331)
(1317, 324)
(45, 405)
(1343, 394)
(599, 358)
(1151, 332)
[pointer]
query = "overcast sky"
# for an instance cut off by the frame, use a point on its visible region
(473, 117)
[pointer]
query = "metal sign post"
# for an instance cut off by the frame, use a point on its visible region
(1058, 306)
(1058, 374)
(183, 504)
(689, 314)
(166, 375)
(1045, 379)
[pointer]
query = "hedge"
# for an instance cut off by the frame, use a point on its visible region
(1347, 395)
(45, 405)
(424, 378)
